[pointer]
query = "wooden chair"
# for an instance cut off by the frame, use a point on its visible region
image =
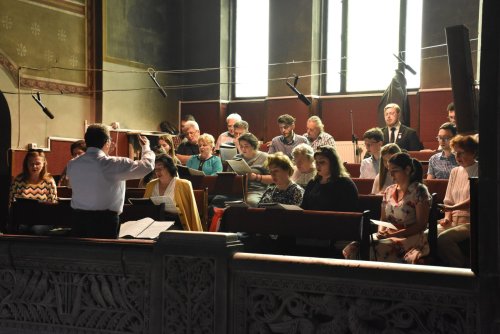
(317, 225)
(438, 187)
(364, 185)
(353, 169)
(201, 197)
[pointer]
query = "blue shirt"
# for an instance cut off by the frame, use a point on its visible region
(211, 166)
(440, 166)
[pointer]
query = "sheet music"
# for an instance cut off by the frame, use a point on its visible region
(385, 224)
(169, 203)
(227, 153)
(239, 166)
(144, 228)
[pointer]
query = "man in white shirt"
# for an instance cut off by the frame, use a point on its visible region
(98, 182)
(316, 134)
(374, 139)
(227, 137)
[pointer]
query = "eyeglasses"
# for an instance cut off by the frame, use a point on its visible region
(443, 139)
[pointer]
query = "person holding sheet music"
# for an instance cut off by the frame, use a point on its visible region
(205, 161)
(228, 137)
(406, 205)
(283, 190)
(332, 189)
(259, 178)
(179, 190)
(35, 183)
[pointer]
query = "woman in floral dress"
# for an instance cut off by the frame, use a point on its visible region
(406, 205)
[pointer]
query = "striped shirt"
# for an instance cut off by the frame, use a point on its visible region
(45, 190)
(440, 166)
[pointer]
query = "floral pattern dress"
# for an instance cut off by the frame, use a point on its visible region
(291, 195)
(401, 213)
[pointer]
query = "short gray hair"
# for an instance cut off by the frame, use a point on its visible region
(192, 124)
(234, 116)
(305, 150)
(317, 121)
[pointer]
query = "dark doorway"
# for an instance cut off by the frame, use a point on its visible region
(5, 137)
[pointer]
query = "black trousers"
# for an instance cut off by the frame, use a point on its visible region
(95, 224)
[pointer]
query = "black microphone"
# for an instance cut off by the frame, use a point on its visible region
(152, 75)
(301, 96)
(44, 108)
(408, 67)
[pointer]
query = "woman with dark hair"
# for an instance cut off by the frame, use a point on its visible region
(406, 205)
(259, 178)
(76, 149)
(383, 179)
(455, 226)
(34, 182)
(180, 191)
(332, 189)
(166, 143)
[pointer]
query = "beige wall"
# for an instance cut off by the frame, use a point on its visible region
(70, 113)
(137, 104)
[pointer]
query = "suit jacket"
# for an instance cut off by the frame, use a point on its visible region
(407, 138)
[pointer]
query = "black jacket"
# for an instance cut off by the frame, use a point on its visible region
(407, 138)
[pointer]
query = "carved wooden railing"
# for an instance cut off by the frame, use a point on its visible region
(200, 282)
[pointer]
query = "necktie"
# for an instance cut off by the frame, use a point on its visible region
(393, 137)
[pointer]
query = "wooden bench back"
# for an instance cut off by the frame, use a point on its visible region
(323, 225)
(438, 187)
(353, 169)
(372, 203)
(364, 185)
(223, 184)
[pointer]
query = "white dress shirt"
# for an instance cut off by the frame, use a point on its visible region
(98, 180)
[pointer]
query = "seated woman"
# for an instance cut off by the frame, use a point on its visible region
(304, 170)
(76, 149)
(383, 179)
(406, 205)
(34, 183)
(284, 190)
(179, 190)
(205, 161)
(332, 189)
(259, 178)
(167, 145)
(455, 226)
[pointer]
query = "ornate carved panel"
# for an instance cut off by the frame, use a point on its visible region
(58, 301)
(188, 295)
(281, 304)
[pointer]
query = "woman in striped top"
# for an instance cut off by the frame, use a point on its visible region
(34, 182)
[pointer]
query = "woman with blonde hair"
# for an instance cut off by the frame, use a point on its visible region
(383, 179)
(205, 161)
(304, 170)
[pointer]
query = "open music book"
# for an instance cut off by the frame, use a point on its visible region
(145, 228)
(385, 224)
(185, 172)
(239, 166)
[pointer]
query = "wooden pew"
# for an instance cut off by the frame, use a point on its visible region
(372, 203)
(421, 155)
(438, 187)
(136, 212)
(134, 193)
(353, 169)
(364, 185)
(32, 212)
(228, 184)
(319, 225)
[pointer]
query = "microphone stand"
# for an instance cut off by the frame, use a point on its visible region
(354, 140)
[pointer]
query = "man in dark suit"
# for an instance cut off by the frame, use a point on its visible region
(395, 132)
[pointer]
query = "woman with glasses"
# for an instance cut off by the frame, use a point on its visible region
(179, 191)
(34, 183)
(441, 163)
(406, 205)
(455, 226)
(332, 189)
